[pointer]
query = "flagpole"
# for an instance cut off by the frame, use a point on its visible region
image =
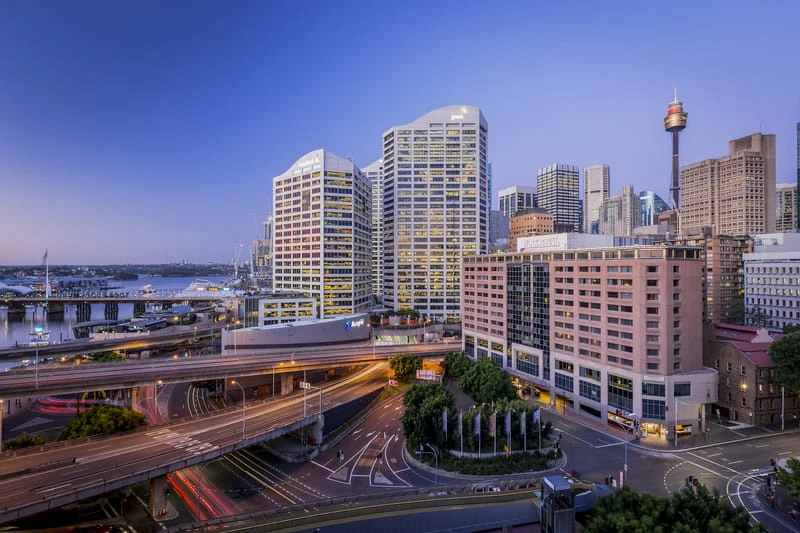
(540, 430)
(495, 432)
(525, 435)
(461, 429)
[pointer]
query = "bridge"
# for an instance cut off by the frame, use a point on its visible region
(34, 481)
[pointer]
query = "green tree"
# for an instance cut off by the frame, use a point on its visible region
(789, 477)
(104, 357)
(102, 420)
(23, 441)
(485, 382)
(689, 510)
(790, 328)
(422, 420)
(456, 364)
(785, 354)
(405, 366)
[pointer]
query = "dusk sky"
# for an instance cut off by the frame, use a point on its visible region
(150, 132)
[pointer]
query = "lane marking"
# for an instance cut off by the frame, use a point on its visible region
(735, 462)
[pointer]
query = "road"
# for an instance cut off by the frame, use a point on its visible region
(57, 379)
(36, 481)
(732, 468)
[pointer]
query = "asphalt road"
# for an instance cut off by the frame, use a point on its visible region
(32, 480)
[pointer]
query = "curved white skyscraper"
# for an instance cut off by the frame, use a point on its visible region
(436, 207)
(322, 209)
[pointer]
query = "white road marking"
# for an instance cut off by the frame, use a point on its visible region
(735, 462)
(714, 454)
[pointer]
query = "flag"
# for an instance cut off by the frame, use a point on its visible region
(508, 423)
(478, 424)
(460, 424)
(522, 422)
(537, 417)
(44, 259)
(444, 421)
(493, 424)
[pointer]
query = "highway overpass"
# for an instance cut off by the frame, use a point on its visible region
(45, 478)
(59, 379)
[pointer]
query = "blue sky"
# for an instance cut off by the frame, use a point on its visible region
(150, 131)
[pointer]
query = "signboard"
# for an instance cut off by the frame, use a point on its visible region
(305, 385)
(428, 375)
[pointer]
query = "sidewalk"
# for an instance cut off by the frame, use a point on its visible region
(717, 433)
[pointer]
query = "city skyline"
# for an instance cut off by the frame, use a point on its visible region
(148, 133)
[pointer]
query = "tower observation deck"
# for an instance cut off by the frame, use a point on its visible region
(675, 122)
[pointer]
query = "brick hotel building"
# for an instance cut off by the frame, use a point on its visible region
(612, 333)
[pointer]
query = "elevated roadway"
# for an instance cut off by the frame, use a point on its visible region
(33, 481)
(58, 379)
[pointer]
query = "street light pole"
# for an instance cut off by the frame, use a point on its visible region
(435, 455)
(244, 408)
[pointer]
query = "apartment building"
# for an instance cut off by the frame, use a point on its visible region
(322, 214)
(723, 272)
(620, 214)
(611, 333)
(734, 194)
(436, 207)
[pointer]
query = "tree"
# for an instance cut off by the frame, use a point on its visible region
(784, 353)
(405, 366)
(456, 364)
(102, 420)
(485, 382)
(422, 420)
(104, 357)
(789, 477)
(693, 508)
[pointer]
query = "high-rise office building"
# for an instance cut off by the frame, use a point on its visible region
(374, 173)
(498, 229)
(771, 266)
(262, 257)
(620, 214)
(436, 207)
(516, 198)
(650, 206)
(322, 213)
(596, 186)
(735, 194)
(785, 207)
(557, 192)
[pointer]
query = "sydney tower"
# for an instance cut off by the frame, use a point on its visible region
(674, 122)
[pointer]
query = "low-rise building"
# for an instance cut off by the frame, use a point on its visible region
(749, 391)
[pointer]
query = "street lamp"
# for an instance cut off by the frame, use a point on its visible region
(435, 455)
(244, 407)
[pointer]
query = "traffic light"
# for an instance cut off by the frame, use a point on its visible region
(168, 492)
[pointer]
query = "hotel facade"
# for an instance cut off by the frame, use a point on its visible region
(611, 333)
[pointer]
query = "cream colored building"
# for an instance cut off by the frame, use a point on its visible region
(735, 194)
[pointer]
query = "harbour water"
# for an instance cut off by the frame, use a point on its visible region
(18, 331)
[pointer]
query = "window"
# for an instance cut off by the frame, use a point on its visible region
(590, 373)
(730, 366)
(563, 382)
(653, 389)
(653, 366)
(652, 269)
(654, 409)
(589, 390)
(743, 369)
(620, 392)
(683, 389)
